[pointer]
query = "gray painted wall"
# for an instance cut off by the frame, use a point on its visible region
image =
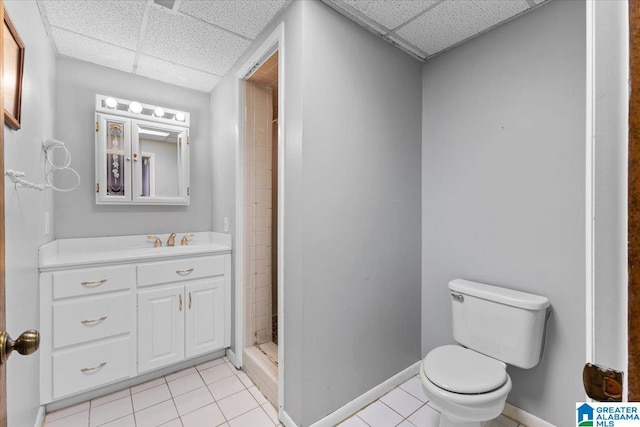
(352, 207)
(610, 162)
(25, 208)
(77, 214)
(360, 209)
(503, 173)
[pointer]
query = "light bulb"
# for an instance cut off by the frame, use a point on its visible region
(180, 116)
(158, 112)
(135, 107)
(111, 102)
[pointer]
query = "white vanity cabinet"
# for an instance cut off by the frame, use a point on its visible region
(108, 314)
(86, 327)
(184, 318)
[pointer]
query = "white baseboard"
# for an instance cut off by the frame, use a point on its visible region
(367, 398)
(40, 417)
(524, 417)
(286, 420)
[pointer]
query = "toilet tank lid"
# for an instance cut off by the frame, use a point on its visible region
(500, 295)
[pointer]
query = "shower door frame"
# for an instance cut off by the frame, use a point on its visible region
(274, 42)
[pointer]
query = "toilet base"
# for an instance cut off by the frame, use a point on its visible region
(446, 422)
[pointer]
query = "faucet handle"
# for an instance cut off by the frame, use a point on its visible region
(157, 243)
(185, 239)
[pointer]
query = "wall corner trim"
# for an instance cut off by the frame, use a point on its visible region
(344, 412)
(40, 417)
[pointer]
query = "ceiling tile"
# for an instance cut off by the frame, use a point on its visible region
(114, 21)
(390, 14)
(181, 39)
(175, 74)
(247, 17)
(91, 50)
(453, 21)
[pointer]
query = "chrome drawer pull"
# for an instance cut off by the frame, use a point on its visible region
(93, 321)
(93, 283)
(93, 368)
(185, 271)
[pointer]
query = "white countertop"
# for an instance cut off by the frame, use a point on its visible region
(93, 251)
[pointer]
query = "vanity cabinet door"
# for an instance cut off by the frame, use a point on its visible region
(204, 316)
(160, 327)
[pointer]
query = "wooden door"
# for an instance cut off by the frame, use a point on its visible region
(634, 204)
(3, 378)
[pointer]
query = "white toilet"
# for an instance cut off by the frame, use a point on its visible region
(495, 326)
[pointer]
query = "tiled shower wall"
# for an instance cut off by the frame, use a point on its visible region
(257, 213)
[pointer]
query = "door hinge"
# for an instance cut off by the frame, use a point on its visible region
(188, 140)
(97, 187)
(97, 126)
(188, 191)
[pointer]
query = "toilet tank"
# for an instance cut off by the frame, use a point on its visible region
(501, 323)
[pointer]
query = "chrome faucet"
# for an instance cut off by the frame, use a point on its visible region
(172, 239)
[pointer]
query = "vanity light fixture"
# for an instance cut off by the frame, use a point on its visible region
(180, 116)
(135, 107)
(111, 102)
(158, 112)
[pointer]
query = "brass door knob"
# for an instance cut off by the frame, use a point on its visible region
(27, 343)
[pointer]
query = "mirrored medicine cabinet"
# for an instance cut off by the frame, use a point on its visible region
(142, 153)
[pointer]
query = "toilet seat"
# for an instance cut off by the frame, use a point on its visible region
(460, 370)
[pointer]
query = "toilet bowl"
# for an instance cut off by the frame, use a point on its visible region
(466, 387)
(495, 326)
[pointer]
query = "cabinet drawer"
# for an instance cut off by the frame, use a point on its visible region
(100, 317)
(91, 281)
(90, 366)
(185, 269)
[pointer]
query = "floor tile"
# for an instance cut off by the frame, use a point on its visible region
(405, 423)
(146, 386)
(257, 394)
(128, 421)
(380, 415)
(210, 364)
(414, 387)
(180, 374)
(65, 412)
(110, 411)
(151, 397)
(79, 419)
(110, 397)
(209, 416)
(216, 373)
(353, 422)
(254, 418)
(193, 400)
(271, 411)
(401, 402)
(185, 384)
(156, 415)
(226, 387)
(425, 417)
(501, 421)
(244, 378)
(237, 404)
(172, 423)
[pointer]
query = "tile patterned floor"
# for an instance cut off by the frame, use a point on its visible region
(407, 406)
(209, 395)
(216, 394)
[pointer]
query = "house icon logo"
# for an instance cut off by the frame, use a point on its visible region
(585, 415)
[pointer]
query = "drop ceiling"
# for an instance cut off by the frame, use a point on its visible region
(194, 43)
